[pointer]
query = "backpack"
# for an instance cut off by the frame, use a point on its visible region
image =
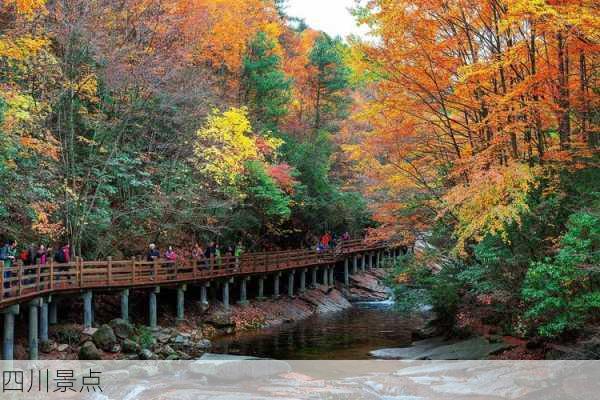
(59, 256)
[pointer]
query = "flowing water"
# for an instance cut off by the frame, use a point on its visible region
(345, 335)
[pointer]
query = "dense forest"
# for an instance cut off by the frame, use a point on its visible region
(481, 146)
(468, 130)
(129, 122)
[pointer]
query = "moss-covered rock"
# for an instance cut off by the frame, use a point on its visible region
(104, 338)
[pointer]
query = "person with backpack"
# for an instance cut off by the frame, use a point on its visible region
(59, 256)
(8, 254)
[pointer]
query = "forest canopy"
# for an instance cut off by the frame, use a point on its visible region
(136, 121)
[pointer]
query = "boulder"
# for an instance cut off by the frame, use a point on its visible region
(436, 349)
(166, 350)
(129, 346)
(181, 341)
(89, 351)
(220, 319)
(47, 346)
(203, 344)
(104, 338)
(163, 337)
(116, 348)
(62, 347)
(89, 331)
(146, 354)
(122, 328)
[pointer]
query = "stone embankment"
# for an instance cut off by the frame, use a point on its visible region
(189, 339)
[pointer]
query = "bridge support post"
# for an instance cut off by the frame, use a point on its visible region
(204, 295)
(181, 302)
(53, 312)
(261, 287)
(226, 293)
(354, 265)
(325, 275)
(346, 273)
(291, 283)
(33, 329)
(314, 277)
(371, 260)
(152, 306)
(332, 275)
(243, 291)
(303, 280)
(125, 304)
(276, 284)
(8, 340)
(363, 264)
(44, 319)
(378, 265)
(88, 317)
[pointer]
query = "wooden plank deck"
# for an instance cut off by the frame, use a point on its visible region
(20, 283)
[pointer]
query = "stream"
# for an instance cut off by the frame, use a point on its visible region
(344, 335)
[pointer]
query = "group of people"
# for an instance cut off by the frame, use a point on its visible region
(329, 241)
(33, 255)
(204, 255)
(30, 257)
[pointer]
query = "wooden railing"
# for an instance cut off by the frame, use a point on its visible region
(19, 282)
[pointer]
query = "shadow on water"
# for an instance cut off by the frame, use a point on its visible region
(345, 335)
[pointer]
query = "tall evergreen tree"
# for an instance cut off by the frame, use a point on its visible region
(330, 82)
(266, 88)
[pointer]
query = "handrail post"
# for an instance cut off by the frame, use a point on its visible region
(109, 270)
(1, 280)
(79, 264)
(132, 270)
(38, 277)
(51, 274)
(19, 279)
(155, 265)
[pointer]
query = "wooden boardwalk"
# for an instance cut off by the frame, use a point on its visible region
(21, 283)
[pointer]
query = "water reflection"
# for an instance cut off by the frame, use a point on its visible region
(349, 335)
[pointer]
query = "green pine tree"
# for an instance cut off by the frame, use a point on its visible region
(266, 88)
(330, 83)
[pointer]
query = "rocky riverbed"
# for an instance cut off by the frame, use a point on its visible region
(189, 339)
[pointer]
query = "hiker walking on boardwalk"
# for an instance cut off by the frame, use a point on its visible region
(8, 255)
(210, 254)
(326, 239)
(153, 253)
(41, 255)
(170, 254)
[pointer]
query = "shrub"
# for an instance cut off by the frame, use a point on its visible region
(564, 292)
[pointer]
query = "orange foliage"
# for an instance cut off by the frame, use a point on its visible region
(462, 91)
(283, 175)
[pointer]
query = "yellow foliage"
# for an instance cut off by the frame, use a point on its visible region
(226, 143)
(22, 47)
(493, 200)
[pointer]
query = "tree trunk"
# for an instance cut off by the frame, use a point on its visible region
(564, 126)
